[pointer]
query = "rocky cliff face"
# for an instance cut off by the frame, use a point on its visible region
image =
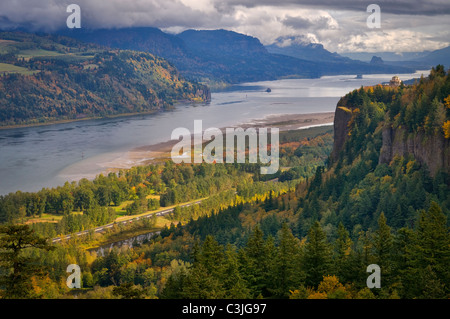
(342, 116)
(432, 150)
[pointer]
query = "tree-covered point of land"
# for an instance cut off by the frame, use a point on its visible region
(67, 80)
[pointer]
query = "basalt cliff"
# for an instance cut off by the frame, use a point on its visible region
(400, 121)
(432, 150)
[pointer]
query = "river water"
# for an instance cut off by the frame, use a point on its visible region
(35, 157)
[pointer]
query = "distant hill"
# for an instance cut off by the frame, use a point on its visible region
(376, 60)
(227, 57)
(233, 57)
(146, 39)
(51, 78)
(441, 56)
(306, 51)
(386, 56)
(206, 56)
(333, 63)
(213, 43)
(419, 60)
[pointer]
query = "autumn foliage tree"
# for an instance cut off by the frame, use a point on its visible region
(17, 269)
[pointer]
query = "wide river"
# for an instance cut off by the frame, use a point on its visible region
(46, 156)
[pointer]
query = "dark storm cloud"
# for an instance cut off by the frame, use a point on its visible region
(51, 14)
(297, 22)
(340, 25)
(408, 7)
(300, 23)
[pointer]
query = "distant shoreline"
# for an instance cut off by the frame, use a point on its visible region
(161, 152)
(8, 127)
(148, 154)
(113, 116)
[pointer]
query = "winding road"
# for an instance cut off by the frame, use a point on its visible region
(100, 229)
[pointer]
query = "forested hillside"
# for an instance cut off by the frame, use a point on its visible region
(311, 235)
(49, 78)
(316, 241)
(81, 206)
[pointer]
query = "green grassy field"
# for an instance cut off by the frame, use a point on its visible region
(37, 53)
(9, 68)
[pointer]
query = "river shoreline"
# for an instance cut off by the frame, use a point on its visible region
(10, 127)
(151, 154)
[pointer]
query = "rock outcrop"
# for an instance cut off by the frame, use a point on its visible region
(432, 150)
(342, 116)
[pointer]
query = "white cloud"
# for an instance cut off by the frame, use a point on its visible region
(390, 41)
(322, 21)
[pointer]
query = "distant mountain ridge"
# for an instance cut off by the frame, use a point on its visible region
(421, 60)
(145, 39)
(221, 42)
(441, 56)
(307, 51)
(228, 57)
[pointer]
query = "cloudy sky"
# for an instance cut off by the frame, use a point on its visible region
(341, 26)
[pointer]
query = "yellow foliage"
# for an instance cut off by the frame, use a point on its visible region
(446, 128)
(410, 166)
(329, 288)
(329, 284)
(386, 179)
(296, 294)
(447, 101)
(45, 288)
(345, 109)
(317, 295)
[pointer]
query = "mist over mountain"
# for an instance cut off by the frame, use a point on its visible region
(307, 51)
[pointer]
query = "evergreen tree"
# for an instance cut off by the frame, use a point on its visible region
(206, 277)
(200, 284)
(255, 259)
(233, 283)
(16, 268)
(383, 245)
(287, 273)
(317, 256)
(174, 287)
(403, 241)
(211, 256)
(431, 249)
(343, 250)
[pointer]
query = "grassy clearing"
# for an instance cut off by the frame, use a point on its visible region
(90, 67)
(45, 218)
(10, 68)
(37, 53)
